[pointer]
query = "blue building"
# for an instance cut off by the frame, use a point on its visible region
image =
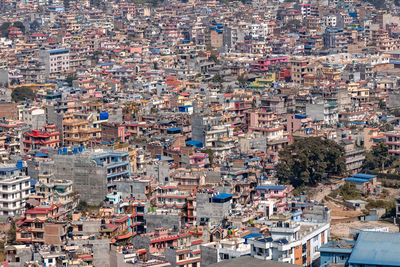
(376, 249)
(371, 249)
(116, 163)
(336, 252)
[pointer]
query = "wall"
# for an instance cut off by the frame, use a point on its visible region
(89, 179)
(214, 211)
(315, 111)
(209, 255)
(154, 221)
(101, 249)
(128, 187)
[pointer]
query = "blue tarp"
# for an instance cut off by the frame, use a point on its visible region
(103, 116)
(194, 143)
(222, 196)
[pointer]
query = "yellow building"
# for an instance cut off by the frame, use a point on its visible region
(77, 132)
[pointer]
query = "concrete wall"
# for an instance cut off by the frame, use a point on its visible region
(89, 179)
(315, 111)
(209, 255)
(154, 221)
(132, 188)
(101, 250)
(198, 128)
(214, 211)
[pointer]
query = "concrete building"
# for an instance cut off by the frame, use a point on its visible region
(53, 191)
(77, 132)
(15, 189)
(211, 209)
(225, 249)
(393, 142)
(47, 137)
(326, 112)
(33, 117)
(93, 172)
(56, 61)
(291, 242)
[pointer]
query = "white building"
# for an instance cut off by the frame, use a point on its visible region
(57, 61)
(330, 21)
(14, 189)
(291, 242)
(259, 30)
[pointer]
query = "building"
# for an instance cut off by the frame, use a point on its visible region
(33, 117)
(393, 142)
(15, 188)
(47, 137)
(336, 252)
(375, 249)
(291, 242)
(41, 225)
(78, 132)
(56, 61)
(211, 209)
(53, 191)
(93, 172)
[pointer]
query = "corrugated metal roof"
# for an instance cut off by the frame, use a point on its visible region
(376, 248)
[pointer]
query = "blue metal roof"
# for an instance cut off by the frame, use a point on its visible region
(252, 235)
(41, 155)
(357, 122)
(222, 196)
(376, 248)
(58, 51)
(359, 180)
(271, 187)
(8, 169)
(364, 176)
(174, 129)
(107, 64)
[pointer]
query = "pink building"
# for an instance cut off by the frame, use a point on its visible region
(263, 64)
(199, 159)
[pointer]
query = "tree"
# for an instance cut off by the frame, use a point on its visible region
(217, 78)
(307, 161)
(378, 158)
(4, 29)
(20, 25)
(293, 25)
(70, 78)
(243, 80)
(21, 93)
(35, 26)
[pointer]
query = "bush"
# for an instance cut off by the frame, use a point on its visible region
(390, 206)
(347, 192)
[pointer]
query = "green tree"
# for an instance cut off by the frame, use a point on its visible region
(293, 25)
(217, 78)
(4, 29)
(20, 25)
(307, 161)
(35, 26)
(21, 93)
(70, 78)
(378, 158)
(210, 154)
(243, 80)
